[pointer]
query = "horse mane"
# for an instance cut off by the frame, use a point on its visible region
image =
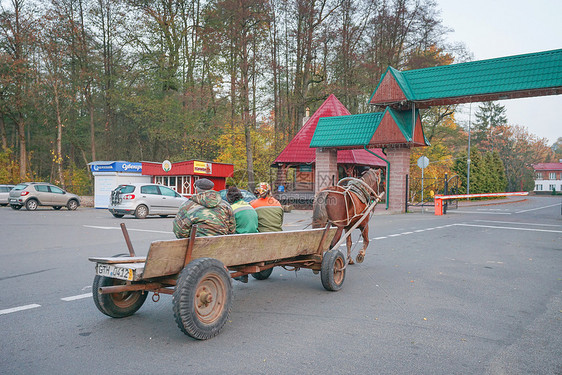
(372, 177)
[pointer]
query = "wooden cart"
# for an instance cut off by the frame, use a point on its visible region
(198, 272)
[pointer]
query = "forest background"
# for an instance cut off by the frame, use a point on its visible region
(226, 81)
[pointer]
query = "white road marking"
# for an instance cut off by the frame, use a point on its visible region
(519, 223)
(378, 238)
(511, 228)
(74, 298)
(419, 230)
(538, 208)
(407, 233)
(481, 212)
(20, 308)
(129, 229)
(394, 235)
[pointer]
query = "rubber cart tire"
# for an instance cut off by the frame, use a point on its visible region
(333, 271)
(203, 298)
(262, 275)
(116, 305)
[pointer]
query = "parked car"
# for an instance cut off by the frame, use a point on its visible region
(246, 195)
(34, 194)
(141, 200)
(5, 194)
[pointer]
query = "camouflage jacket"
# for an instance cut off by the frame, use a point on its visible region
(212, 215)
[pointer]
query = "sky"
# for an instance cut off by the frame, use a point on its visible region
(498, 28)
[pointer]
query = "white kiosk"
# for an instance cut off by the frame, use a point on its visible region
(110, 174)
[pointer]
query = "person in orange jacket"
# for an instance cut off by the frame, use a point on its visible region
(269, 210)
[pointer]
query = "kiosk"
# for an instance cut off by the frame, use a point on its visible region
(181, 176)
(110, 174)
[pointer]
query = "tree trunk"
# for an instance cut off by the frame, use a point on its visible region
(23, 149)
(59, 159)
(3, 132)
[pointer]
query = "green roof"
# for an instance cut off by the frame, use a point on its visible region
(358, 130)
(352, 130)
(532, 71)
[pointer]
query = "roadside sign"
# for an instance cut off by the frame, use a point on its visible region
(423, 162)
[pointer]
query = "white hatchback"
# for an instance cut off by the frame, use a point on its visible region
(5, 194)
(143, 199)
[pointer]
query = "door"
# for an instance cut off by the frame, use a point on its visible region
(43, 194)
(58, 196)
(172, 200)
(151, 195)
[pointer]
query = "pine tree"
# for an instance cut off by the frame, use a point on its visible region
(489, 115)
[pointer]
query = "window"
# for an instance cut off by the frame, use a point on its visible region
(126, 189)
(42, 188)
(539, 175)
(538, 187)
(551, 187)
(56, 190)
(150, 189)
(552, 176)
(168, 192)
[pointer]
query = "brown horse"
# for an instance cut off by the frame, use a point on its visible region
(344, 206)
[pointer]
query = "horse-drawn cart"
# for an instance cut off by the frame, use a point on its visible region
(198, 271)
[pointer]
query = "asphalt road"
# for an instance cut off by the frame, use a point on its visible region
(477, 291)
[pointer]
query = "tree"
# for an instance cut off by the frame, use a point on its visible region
(518, 150)
(489, 115)
(557, 148)
(18, 36)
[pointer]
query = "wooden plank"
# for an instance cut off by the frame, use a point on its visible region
(167, 257)
(112, 260)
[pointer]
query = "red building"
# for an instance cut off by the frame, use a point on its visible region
(181, 176)
(548, 177)
(301, 158)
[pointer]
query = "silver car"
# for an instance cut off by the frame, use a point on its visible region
(34, 194)
(5, 194)
(143, 199)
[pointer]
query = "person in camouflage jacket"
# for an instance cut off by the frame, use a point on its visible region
(212, 215)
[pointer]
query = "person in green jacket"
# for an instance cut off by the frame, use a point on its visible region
(245, 215)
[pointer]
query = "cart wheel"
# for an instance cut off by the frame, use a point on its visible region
(203, 298)
(262, 275)
(333, 271)
(360, 258)
(116, 305)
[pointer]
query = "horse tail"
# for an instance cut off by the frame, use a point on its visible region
(319, 213)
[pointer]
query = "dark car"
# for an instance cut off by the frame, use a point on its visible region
(34, 194)
(246, 195)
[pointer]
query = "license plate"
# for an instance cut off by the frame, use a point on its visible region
(115, 272)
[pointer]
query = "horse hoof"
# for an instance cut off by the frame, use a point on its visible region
(360, 258)
(350, 261)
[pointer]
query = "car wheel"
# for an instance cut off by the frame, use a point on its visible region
(57, 207)
(141, 212)
(31, 205)
(72, 205)
(15, 207)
